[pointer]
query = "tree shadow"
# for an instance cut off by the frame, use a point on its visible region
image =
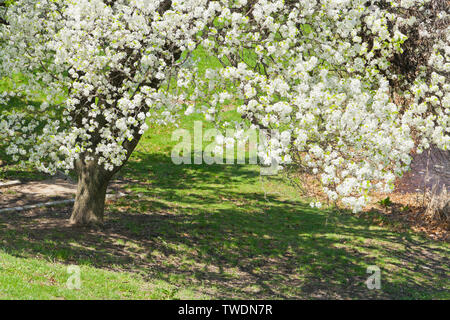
(200, 227)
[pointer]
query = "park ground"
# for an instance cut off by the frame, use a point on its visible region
(212, 232)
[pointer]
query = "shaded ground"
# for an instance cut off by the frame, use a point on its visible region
(233, 237)
(34, 192)
(411, 197)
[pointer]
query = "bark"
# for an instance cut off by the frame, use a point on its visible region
(93, 181)
(89, 205)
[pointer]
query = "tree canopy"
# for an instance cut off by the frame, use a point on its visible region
(351, 86)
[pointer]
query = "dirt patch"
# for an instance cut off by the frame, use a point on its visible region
(407, 211)
(36, 192)
(408, 203)
(44, 191)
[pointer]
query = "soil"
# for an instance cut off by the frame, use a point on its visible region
(43, 191)
(430, 169)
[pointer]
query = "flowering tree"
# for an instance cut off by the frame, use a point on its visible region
(352, 86)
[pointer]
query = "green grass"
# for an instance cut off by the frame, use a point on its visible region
(25, 278)
(213, 232)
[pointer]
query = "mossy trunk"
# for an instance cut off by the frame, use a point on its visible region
(89, 205)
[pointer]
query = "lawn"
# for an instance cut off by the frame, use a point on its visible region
(212, 232)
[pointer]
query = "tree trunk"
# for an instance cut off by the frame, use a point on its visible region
(89, 205)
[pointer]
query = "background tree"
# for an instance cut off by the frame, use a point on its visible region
(322, 73)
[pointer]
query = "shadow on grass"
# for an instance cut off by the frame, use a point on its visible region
(215, 231)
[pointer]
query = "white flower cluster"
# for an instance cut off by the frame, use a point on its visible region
(99, 66)
(305, 68)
